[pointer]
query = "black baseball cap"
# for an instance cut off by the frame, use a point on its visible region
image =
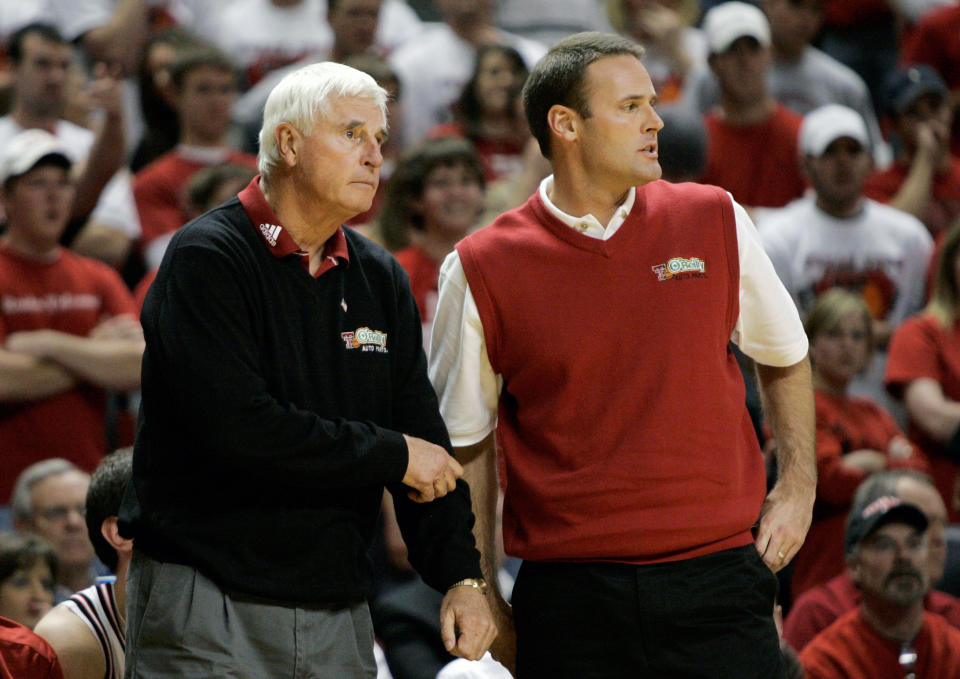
(866, 519)
(909, 83)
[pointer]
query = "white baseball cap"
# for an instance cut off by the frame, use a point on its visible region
(23, 152)
(823, 126)
(727, 22)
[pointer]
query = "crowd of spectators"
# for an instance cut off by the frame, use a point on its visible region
(122, 120)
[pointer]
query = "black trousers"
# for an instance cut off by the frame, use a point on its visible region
(703, 618)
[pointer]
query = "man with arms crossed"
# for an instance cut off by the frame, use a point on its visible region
(284, 386)
(600, 354)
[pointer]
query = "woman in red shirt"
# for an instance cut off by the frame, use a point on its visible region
(855, 436)
(923, 368)
(489, 113)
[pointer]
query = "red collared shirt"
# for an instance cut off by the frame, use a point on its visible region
(279, 241)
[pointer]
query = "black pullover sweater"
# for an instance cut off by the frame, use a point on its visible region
(272, 413)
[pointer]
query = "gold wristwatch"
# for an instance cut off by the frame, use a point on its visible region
(477, 583)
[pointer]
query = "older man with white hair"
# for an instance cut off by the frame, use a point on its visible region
(48, 501)
(284, 387)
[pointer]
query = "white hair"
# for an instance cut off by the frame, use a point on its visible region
(21, 501)
(306, 95)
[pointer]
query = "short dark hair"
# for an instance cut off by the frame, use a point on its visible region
(191, 58)
(560, 78)
(107, 485)
(46, 31)
(409, 178)
(22, 550)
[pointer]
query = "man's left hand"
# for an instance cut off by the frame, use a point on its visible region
(784, 520)
(466, 623)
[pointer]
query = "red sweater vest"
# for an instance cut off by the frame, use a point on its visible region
(622, 415)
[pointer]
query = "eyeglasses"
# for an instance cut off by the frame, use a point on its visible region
(61, 512)
(908, 660)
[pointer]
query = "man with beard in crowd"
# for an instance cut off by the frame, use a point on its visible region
(889, 634)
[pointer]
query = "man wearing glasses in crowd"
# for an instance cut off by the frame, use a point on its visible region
(49, 500)
(889, 634)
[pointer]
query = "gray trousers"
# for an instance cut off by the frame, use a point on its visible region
(181, 625)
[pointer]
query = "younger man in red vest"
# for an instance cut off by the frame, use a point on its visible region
(590, 327)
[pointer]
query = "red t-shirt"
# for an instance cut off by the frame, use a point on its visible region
(882, 186)
(935, 40)
(818, 608)
(71, 294)
(846, 13)
(851, 649)
(844, 425)
(499, 157)
(24, 655)
(159, 190)
(758, 164)
(920, 347)
(424, 274)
